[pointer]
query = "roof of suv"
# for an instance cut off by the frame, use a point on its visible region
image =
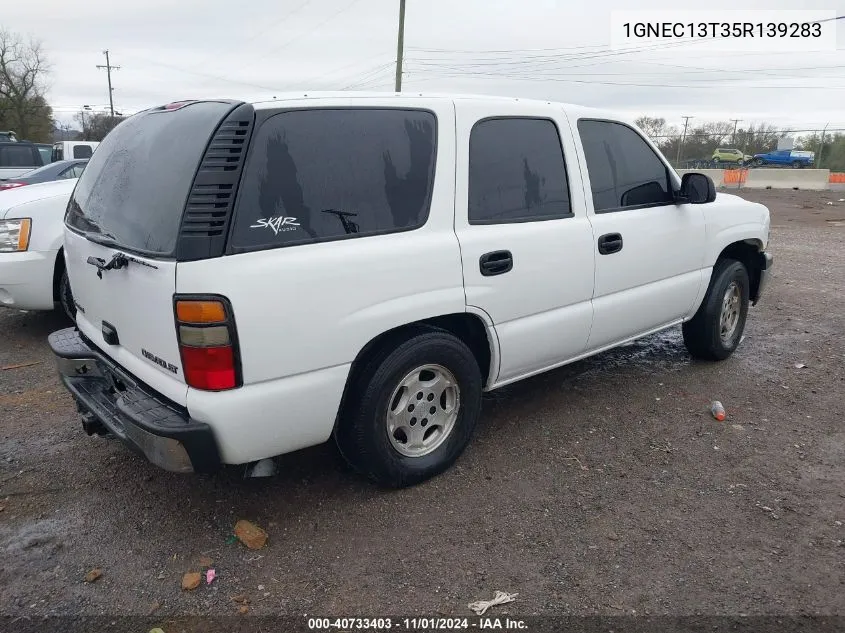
(266, 104)
(290, 96)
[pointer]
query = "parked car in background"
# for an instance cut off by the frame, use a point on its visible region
(786, 157)
(61, 170)
(17, 158)
(32, 265)
(46, 152)
(8, 135)
(69, 150)
(731, 156)
(363, 267)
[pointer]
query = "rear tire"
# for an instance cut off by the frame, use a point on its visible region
(66, 297)
(716, 329)
(411, 409)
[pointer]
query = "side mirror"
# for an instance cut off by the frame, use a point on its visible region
(696, 189)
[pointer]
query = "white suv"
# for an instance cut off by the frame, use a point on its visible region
(255, 278)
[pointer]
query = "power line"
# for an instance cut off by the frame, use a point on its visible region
(300, 35)
(202, 74)
(551, 73)
(367, 76)
(477, 75)
(263, 31)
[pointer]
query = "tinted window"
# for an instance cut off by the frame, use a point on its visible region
(516, 172)
(82, 151)
(136, 184)
(624, 171)
(316, 175)
(46, 154)
(58, 153)
(15, 155)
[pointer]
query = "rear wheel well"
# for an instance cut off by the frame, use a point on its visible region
(468, 328)
(58, 271)
(747, 252)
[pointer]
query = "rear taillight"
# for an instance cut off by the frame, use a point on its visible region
(205, 327)
(11, 185)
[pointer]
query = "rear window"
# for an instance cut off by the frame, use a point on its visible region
(14, 155)
(134, 188)
(318, 175)
(82, 151)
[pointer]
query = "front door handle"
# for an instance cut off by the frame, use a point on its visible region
(610, 243)
(495, 263)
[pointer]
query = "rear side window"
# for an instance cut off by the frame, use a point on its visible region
(72, 172)
(624, 171)
(318, 175)
(18, 156)
(516, 172)
(134, 188)
(82, 151)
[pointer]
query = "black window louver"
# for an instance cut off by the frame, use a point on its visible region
(208, 211)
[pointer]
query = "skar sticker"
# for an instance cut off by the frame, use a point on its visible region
(276, 224)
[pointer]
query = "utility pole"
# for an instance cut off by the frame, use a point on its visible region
(683, 139)
(400, 45)
(736, 121)
(109, 68)
(85, 108)
(821, 146)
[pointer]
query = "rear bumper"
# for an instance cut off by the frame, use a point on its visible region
(766, 263)
(143, 419)
(26, 280)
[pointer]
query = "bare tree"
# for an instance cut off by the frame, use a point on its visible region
(23, 69)
(95, 125)
(654, 127)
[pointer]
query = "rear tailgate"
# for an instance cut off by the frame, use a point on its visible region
(128, 205)
(132, 307)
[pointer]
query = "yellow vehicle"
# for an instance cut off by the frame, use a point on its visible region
(726, 155)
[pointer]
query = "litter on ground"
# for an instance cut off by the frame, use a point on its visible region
(480, 606)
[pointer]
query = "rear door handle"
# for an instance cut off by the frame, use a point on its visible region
(495, 263)
(610, 243)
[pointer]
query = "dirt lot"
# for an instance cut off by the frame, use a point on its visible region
(604, 487)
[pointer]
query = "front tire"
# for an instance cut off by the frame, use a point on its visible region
(716, 329)
(412, 409)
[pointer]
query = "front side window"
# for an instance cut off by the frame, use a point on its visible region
(516, 172)
(624, 171)
(327, 174)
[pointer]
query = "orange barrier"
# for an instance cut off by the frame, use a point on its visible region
(837, 177)
(735, 176)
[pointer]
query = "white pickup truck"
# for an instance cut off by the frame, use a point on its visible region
(363, 267)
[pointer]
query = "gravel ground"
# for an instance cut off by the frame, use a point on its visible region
(604, 487)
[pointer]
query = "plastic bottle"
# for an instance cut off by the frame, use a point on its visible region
(718, 410)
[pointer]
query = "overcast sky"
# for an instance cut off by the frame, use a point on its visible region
(175, 49)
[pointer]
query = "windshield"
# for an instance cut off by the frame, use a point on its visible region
(136, 184)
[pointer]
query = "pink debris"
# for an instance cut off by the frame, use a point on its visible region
(210, 575)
